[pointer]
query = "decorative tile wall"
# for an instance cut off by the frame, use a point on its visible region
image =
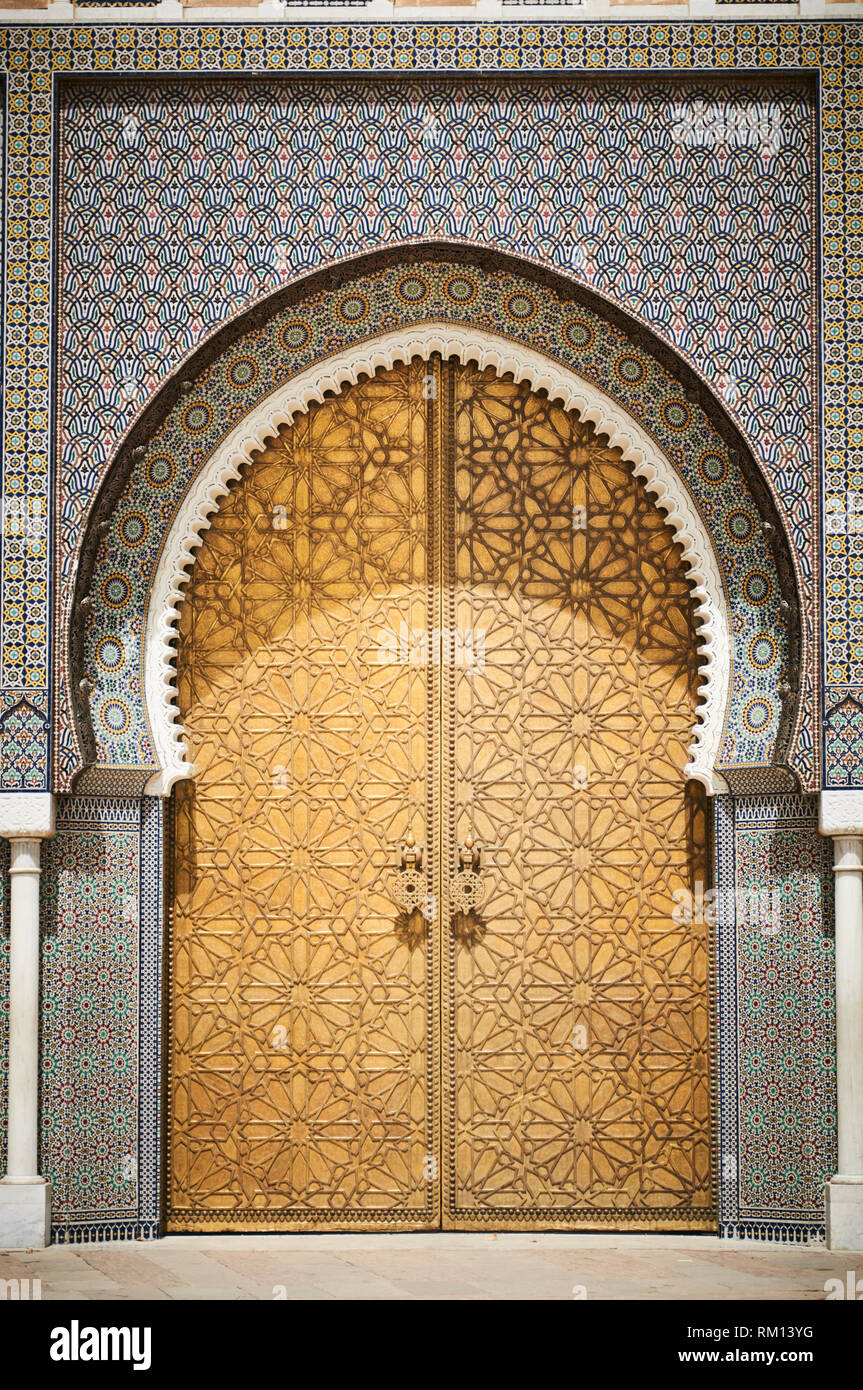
(181, 204)
(776, 1016)
(101, 911)
(352, 312)
(775, 990)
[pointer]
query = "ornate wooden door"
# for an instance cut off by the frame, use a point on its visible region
(575, 1007)
(437, 608)
(303, 1073)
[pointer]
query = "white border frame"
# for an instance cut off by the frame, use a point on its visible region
(649, 462)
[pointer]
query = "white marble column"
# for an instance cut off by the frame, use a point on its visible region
(25, 1196)
(843, 812)
(23, 1104)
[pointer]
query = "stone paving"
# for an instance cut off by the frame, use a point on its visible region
(432, 1266)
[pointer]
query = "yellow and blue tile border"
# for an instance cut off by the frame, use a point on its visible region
(779, 988)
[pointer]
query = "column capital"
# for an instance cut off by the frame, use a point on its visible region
(847, 854)
(841, 813)
(26, 815)
(25, 855)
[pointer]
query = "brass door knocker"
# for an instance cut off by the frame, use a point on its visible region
(410, 890)
(467, 891)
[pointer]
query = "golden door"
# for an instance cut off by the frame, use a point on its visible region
(438, 673)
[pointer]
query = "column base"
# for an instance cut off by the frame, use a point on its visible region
(845, 1213)
(25, 1214)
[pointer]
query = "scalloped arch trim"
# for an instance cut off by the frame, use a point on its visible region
(648, 461)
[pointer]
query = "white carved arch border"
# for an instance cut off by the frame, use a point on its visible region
(342, 369)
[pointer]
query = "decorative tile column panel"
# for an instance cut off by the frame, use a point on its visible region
(776, 1028)
(101, 1017)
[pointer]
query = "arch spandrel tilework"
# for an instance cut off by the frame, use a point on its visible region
(351, 314)
(776, 1015)
(638, 452)
(31, 57)
(713, 247)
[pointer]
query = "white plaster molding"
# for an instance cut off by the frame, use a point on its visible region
(487, 350)
(26, 815)
(481, 12)
(841, 812)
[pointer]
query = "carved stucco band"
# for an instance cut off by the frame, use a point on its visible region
(841, 812)
(333, 374)
(26, 815)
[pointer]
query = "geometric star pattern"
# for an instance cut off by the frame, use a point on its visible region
(299, 1064)
(579, 1050)
(312, 1062)
(34, 55)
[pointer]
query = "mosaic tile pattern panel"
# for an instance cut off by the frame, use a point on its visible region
(417, 292)
(32, 55)
(776, 1016)
(100, 1009)
(182, 204)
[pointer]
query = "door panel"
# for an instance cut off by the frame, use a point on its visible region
(437, 604)
(301, 1085)
(576, 1028)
